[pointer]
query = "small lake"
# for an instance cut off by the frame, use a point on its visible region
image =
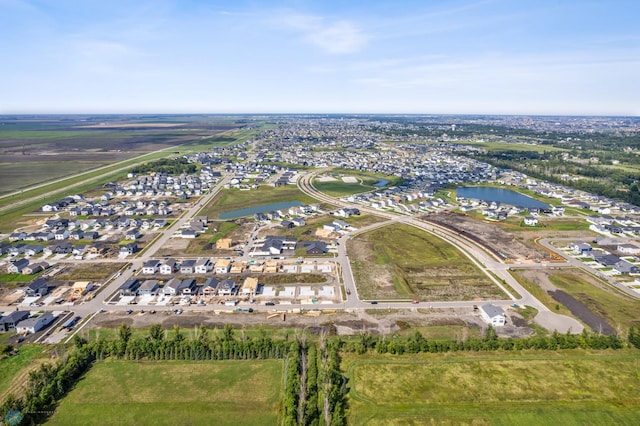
(504, 196)
(380, 183)
(250, 211)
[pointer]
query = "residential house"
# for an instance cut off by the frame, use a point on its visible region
(629, 248)
(34, 268)
(33, 325)
(493, 315)
(148, 288)
(210, 287)
(187, 266)
(151, 266)
(222, 266)
(16, 266)
(227, 288)
(169, 266)
(315, 247)
(173, 287)
(132, 234)
(61, 234)
(128, 249)
(580, 248)
(8, 322)
(188, 287)
(203, 266)
(37, 288)
(249, 287)
(34, 249)
(530, 221)
(129, 287)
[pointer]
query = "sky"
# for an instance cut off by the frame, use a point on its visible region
(568, 57)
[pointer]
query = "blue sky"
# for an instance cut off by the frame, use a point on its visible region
(190, 56)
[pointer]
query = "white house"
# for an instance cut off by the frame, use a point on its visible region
(203, 266)
(151, 266)
(530, 221)
(223, 266)
(493, 315)
(33, 325)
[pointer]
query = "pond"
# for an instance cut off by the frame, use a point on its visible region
(381, 182)
(504, 196)
(264, 208)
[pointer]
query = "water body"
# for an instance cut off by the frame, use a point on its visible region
(504, 196)
(381, 183)
(250, 211)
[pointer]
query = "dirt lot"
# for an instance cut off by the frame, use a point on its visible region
(342, 323)
(518, 247)
(579, 310)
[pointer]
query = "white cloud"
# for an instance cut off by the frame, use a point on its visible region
(339, 37)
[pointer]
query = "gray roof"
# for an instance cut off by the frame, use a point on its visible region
(492, 310)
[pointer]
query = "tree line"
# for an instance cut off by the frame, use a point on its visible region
(314, 386)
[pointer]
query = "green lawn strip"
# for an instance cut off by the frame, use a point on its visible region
(417, 264)
(338, 188)
(476, 388)
(175, 392)
(616, 308)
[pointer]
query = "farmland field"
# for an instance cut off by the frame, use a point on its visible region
(403, 261)
(567, 388)
(175, 392)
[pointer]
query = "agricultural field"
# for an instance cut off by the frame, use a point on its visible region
(175, 392)
(234, 199)
(400, 261)
(563, 387)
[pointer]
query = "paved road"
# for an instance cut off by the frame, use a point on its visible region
(73, 185)
(480, 257)
(547, 243)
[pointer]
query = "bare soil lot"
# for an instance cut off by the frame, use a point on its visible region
(432, 323)
(518, 247)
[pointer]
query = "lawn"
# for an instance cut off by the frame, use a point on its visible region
(366, 181)
(401, 261)
(175, 393)
(563, 388)
(14, 370)
(234, 199)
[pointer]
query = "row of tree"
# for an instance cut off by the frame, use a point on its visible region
(45, 387)
(489, 342)
(172, 166)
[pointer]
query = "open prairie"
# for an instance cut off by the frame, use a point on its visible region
(400, 261)
(175, 392)
(565, 387)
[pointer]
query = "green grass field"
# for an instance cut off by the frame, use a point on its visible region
(234, 199)
(616, 308)
(14, 370)
(339, 188)
(552, 388)
(175, 393)
(402, 261)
